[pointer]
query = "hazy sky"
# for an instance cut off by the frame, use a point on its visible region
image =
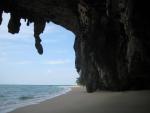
(21, 64)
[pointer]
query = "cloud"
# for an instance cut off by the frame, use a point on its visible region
(57, 62)
(61, 51)
(2, 53)
(49, 71)
(2, 60)
(24, 62)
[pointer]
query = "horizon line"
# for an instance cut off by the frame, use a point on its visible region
(44, 84)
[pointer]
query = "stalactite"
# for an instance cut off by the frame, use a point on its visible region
(14, 23)
(1, 12)
(39, 26)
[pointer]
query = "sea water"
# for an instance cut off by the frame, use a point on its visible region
(15, 96)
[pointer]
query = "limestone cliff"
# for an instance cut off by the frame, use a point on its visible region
(112, 37)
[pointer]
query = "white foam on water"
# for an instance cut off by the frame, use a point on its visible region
(37, 99)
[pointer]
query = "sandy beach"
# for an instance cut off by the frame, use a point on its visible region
(79, 101)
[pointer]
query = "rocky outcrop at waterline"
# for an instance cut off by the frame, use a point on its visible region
(112, 43)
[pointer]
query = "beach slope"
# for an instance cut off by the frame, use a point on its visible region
(78, 101)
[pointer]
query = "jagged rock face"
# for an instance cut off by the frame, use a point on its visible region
(112, 37)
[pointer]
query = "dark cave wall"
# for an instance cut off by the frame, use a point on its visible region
(112, 37)
(113, 52)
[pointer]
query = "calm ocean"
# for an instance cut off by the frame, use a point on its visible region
(15, 96)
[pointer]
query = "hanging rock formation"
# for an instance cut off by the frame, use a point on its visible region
(112, 43)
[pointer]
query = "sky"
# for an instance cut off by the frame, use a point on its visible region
(21, 64)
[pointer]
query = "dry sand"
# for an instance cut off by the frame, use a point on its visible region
(78, 101)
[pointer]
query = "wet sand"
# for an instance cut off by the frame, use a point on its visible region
(79, 101)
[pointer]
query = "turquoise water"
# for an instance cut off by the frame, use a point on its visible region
(15, 96)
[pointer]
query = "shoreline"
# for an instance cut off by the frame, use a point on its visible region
(79, 101)
(34, 101)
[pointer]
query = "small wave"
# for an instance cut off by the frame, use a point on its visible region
(26, 97)
(2, 96)
(32, 95)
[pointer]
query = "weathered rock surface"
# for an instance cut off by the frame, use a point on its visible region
(112, 42)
